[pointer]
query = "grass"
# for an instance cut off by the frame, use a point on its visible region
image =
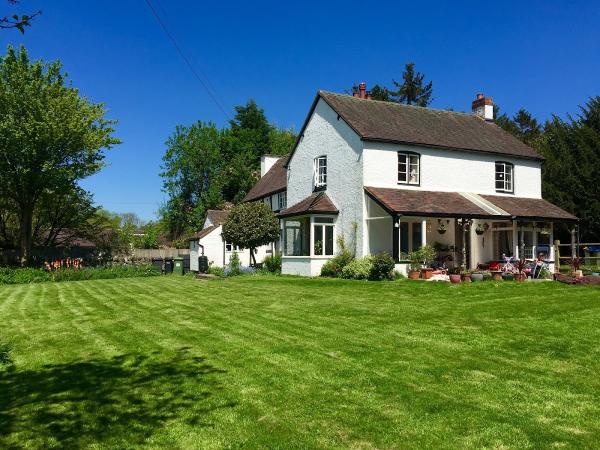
(273, 362)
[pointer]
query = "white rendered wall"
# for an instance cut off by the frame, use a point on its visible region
(194, 256)
(449, 170)
(266, 162)
(303, 265)
(327, 135)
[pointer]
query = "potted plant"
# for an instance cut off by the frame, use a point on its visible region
(508, 276)
(520, 266)
(415, 265)
(575, 264)
(455, 276)
(465, 276)
(427, 255)
(481, 228)
(476, 276)
(442, 227)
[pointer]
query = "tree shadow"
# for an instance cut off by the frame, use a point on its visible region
(119, 402)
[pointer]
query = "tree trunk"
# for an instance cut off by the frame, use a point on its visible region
(252, 258)
(25, 235)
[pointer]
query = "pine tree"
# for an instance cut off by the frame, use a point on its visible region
(412, 90)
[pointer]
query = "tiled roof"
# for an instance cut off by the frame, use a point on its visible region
(532, 208)
(217, 216)
(317, 203)
(452, 204)
(202, 233)
(275, 180)
(413, 202)
(375, 120)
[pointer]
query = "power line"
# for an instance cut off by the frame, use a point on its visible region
(186, 60)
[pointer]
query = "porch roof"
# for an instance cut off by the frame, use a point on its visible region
(530, 208)
(316, 203)
(453, 204)
(424, 203)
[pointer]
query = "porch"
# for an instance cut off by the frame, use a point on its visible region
(465, 229)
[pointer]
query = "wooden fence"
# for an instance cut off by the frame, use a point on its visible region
(144, 253)
(565, 252)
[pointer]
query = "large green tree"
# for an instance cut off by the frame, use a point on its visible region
(205, 167)
(522, 125)
(50, 137)
(412, 90)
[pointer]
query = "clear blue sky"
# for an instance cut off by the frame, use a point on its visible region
(544, 56)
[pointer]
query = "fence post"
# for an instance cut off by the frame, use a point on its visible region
(557, 252)
(573, 249)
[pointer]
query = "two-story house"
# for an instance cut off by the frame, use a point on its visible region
(386, 177)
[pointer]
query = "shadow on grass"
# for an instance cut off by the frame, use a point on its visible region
(118, 402)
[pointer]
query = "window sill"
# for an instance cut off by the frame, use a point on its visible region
(505, 192)
(402, 183)
(320, 188)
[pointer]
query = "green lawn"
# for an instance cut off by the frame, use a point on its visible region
(277, 362)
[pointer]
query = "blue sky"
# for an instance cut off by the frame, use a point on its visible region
(544, 56)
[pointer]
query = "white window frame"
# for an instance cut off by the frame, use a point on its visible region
(314, 223)
(412, 161)
(232, 248)
(508, 177)
(282, 200)
(320, 171)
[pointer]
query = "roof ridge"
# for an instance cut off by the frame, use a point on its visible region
(401, 105)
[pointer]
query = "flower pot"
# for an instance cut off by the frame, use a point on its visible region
(476, 276)
(441, 231)
(508, 277)
(426, 273)
(466, 278)
(414, 274)
(497, 275)
(596, 274)
(520, 277)
(454, 278)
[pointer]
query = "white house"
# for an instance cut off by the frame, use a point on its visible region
(387, 177)
(209, 242)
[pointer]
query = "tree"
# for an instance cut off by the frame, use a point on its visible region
(412, 90)
(16, 21)
(522, 125)
(250, 225)
(50, 136)
(380, 93)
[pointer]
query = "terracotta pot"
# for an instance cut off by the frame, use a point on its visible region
(465, 278)
(520, 277)
(497, 276)
(454, 278)
(414, 274)
(476, 276)
(426, 273)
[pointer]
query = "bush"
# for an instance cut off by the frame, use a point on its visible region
(5, 358)
(272, 264)
(234, 266)
(333, 268)
(216, 270)
(358, 269)
(382, 267)
(30, 275)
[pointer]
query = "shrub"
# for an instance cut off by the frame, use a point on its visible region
(234, 265)
(382, 267)
(273, 263)
(216, 270)
(5, 358)
(333, 268)
(30, 275)
(358, 269)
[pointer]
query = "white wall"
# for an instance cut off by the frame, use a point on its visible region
(266, 162)
(327, 135)
(304, 266)
(449, 170)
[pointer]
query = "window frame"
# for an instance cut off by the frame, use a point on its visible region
(282, 204)
(320, 179)
(326, 224)
(505, 165)
(409, 155)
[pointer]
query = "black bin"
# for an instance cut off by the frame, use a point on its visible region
(168, 265)
(158, 264)
(203, 264)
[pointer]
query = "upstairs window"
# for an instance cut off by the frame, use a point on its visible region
(504, 177)
(282, 200)
(320, 172)
(409, 168)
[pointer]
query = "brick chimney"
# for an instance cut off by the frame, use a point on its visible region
(483, 107)
(362, 91)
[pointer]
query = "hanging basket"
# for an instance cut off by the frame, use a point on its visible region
(441, 230)
(479, 232)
